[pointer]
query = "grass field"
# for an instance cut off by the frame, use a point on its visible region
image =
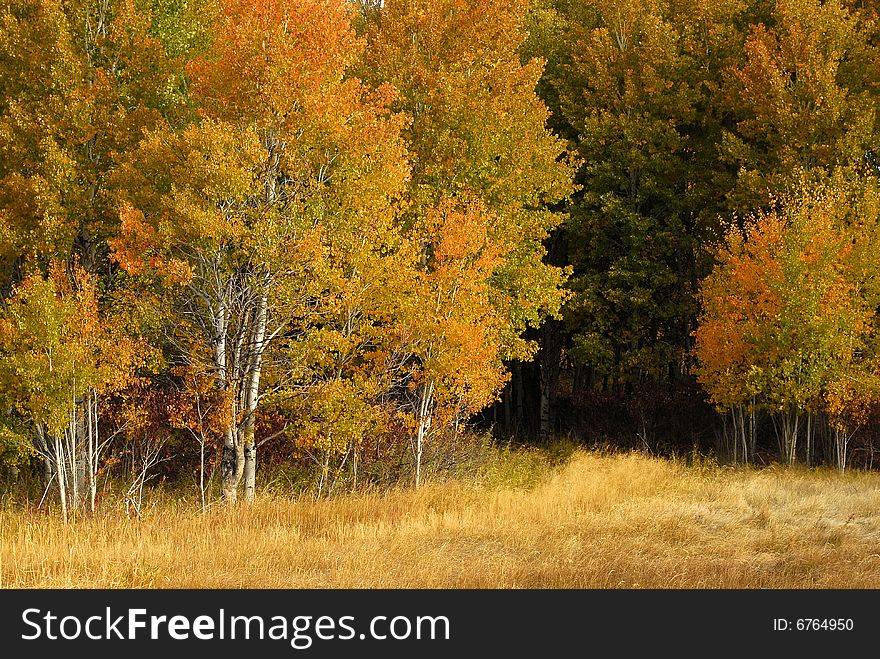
(599, 521)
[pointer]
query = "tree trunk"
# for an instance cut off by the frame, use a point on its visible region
(94, 447)
(753, 431)
(80, 441)
(251, 400)
(808, 439)
(545, 429)
(551, 353)
(232, 458)
(790, 423)
(202, 471)
(841, 439)
(59, 469)
(45, 450)
(354, 467)
(424, 425)
(231, 466)
(70, 462)
(735, 439)
(250, 471)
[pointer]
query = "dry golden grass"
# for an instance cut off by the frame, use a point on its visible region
(599, 522)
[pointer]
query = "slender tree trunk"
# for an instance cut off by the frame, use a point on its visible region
(325, 471)
(59, 468)
(508, 408)
(253, 389)
(544, 430)
(753, 431)
(80, 440)
(808, 439)
(550, 356)
(354, 466)
(202, 471)
(250, 470)
(791, 421)
(736, 432)
(424, 425)
(71, 467)
(93, 460)
(721, 442)
(45, 451)
(232, 458)
(91, 450)
(841, 439)
(231, 465)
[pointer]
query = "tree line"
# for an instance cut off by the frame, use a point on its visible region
(331, 229)
(721, 232)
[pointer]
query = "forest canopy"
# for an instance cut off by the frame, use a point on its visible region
(344, 233)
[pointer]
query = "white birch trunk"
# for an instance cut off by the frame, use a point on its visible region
(59, 469)
(230, 472)
(424, 425)
(252, 398)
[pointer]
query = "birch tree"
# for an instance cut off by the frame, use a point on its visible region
(788, 314)
(58, 357)
(247, 212)
(482, 155)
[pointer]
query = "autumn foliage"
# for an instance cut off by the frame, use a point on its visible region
(337, 230)
(788, 319)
